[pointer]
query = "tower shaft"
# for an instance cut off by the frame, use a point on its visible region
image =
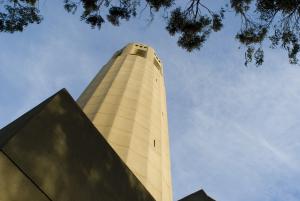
(126, 101)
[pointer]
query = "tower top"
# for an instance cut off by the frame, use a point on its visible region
(144, 51)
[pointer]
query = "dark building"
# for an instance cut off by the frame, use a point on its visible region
(197, 196)
(53, 152)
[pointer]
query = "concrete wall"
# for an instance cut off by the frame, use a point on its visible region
(126, 101)
(63, 154)
(14, 185)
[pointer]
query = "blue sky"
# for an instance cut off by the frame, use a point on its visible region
(234, 130)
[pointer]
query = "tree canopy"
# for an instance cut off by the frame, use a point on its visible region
(276, 21)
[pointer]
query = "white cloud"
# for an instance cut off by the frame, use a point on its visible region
(236, 142)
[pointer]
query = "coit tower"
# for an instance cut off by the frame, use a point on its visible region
(126, 101)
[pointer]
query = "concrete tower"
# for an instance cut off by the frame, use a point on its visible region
(126, 101)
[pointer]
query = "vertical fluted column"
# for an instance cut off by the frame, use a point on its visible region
(126, 101)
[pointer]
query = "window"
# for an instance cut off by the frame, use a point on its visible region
(118, 53)
(155, 62)
(139, 52)
(154, 143)
(141, 46)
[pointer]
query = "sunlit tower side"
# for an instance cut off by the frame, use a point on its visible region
(126, 101)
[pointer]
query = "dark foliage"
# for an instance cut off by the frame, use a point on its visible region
(262, 20)
(117, 10)
(18, 14)
(276, 20)
(193, 26)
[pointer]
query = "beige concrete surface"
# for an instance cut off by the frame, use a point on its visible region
(126, 101)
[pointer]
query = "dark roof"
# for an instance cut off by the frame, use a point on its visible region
(197, 196)
(58, 148)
